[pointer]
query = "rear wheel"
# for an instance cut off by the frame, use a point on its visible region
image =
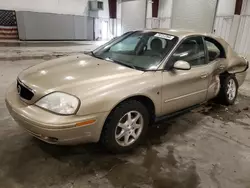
(125, 126)
(229, 89)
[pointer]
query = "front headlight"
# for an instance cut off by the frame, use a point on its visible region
(60, 103)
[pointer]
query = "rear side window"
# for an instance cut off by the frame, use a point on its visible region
(215, 50)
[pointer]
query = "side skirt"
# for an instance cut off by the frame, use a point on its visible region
(175, 114)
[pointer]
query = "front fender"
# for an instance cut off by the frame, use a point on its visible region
(106, 98)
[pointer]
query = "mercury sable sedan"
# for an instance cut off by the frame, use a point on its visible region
(115, 92)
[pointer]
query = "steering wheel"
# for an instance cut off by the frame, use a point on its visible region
(141, 48)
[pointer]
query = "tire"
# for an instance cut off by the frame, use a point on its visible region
(223, 96)
(120, 115)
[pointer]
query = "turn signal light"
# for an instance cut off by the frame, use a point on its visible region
(88, 122)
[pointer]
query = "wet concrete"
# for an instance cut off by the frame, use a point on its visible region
(18, 50)
(207, 147)
(59, 43)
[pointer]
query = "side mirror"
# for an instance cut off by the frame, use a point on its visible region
(182, 65)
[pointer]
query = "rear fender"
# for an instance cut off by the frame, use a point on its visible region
(237, 65)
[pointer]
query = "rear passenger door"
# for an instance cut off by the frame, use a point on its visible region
(216, 64)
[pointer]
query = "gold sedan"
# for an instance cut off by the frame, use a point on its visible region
(115, 92)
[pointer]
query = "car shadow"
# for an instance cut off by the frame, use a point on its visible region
(139, 166)
(28, 160)
(162, 131)
(158, 133)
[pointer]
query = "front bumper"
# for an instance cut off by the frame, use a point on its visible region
(53, 128)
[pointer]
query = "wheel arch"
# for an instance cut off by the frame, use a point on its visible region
(222, 96)
(145, 100)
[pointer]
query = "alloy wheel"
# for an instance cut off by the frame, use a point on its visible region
(129, 128)
(231, 89)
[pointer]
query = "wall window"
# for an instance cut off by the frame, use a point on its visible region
(99, 5)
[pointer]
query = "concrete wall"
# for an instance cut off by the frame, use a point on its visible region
(73, 7)
(48, 26)
(226, 24)
(59, 20)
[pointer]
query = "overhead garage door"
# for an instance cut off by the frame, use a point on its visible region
(133, 14)
(242, 45)
(194, 14)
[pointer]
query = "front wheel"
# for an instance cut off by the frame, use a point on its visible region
(125, 126)
(229, 89)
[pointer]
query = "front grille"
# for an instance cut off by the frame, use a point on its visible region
(24, 92)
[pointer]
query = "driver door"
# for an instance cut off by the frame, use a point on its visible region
(185, 88)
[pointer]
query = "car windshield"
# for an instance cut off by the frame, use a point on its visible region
(140, 50)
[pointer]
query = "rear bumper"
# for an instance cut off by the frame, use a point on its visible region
(53, 128)
(241, 76)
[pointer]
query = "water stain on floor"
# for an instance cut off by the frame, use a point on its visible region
(227, 113)
(155, 171)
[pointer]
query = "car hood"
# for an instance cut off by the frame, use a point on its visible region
(65, 74)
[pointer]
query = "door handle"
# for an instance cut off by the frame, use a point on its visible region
(204, 75)
(221, 67)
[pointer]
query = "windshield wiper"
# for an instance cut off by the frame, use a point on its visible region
(91, 53)
(113, 60)
(121, 63)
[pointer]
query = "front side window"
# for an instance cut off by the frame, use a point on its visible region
(128, 44)
(190, 50)
(141, 50)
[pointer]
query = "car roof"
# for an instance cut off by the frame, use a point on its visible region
(181, 33)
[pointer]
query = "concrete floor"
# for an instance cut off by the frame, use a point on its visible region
(208, 147)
